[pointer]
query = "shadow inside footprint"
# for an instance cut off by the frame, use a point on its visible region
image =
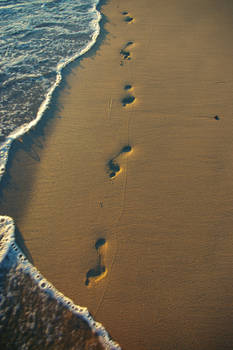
(128, 87)
(99, 243)
(127, 100)
(126, 149)
(128, 19)
(125, 54)
(129, 43)
(99, 270)
(92, 273)
(113, 167)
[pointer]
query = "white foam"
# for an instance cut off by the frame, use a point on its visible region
(20, 131)
(9, 246)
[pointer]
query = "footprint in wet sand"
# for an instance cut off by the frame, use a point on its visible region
(113, 167)
(126, 149)
(125, 53)
(127, 17)
(99, 271)
(128, 87)
(129, 98)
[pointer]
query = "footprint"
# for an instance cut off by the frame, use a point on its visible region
(127, 100)
(125, 53)
(128, 87)
(129, 43)
(126, 149)
(127, 17)
(113, 166)
(99, 271)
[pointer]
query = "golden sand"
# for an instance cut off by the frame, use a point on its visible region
(167, 214)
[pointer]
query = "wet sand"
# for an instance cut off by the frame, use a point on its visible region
(162, 209)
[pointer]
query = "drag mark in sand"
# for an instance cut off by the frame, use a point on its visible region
(110, 108)
(99, 271)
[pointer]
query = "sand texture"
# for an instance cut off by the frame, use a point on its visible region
(125, 203)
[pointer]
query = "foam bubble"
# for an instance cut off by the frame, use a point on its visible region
(68, 301)
(43, 284)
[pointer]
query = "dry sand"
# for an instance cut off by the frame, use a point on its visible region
(167, 216)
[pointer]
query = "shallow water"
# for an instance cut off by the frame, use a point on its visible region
(37, 39)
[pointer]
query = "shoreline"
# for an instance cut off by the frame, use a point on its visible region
(162, 210)
(29, 136)
(22, 130)
(31, 285)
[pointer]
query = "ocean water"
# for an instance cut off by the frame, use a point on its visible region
(38, 38)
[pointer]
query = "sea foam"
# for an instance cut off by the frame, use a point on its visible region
(16, 271)
(25, 127)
